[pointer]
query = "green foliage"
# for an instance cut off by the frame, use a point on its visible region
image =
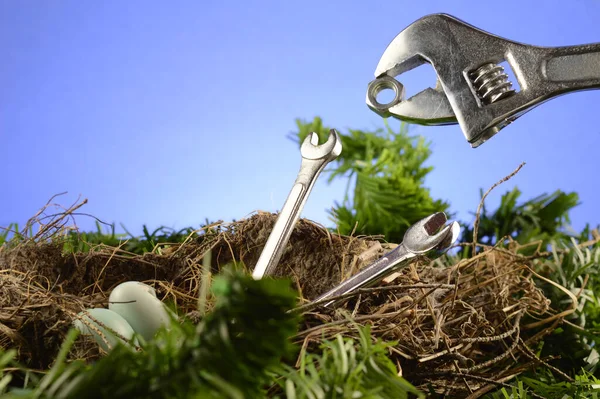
(148, 242)
(5, 360)
(575, 268)
(539, 219)
(5, 233)
(347, 370)
(228, 355)
(11, 234)
(518, 391)
(234, 352)
(76, 241)
(386, 173)
(542, 222)
(386, 170)
(84, 241)
(584, 386)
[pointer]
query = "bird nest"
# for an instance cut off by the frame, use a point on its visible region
(459, 325)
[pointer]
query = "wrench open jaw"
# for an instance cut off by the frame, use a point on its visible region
(331, 149)
(431, 236)
(472, 88)
(428, 238)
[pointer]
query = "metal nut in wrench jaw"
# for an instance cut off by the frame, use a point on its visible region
(472, 89)
(429, 237)
(314, 159)
(378, 85)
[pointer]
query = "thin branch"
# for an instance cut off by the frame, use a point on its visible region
(478, 214)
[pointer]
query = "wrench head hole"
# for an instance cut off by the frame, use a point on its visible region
(386, 96)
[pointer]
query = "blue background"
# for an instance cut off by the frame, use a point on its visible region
(168, 113)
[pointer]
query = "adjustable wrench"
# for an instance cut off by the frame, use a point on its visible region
(314, 159)
(428, 238)
(472, 88)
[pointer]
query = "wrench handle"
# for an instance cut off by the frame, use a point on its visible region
(372, 274)
(576, 66)
(289, 215)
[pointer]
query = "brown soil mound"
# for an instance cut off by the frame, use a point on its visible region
(458, 326)
(41, 289)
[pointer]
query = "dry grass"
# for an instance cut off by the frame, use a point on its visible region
(42, 288)
(461, 326)
(453, 330)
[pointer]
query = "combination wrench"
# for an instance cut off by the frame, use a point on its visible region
(428, 238)
(314, 159)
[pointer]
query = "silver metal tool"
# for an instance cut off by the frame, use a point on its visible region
(429, 238)
(472, 88)
(314, 159)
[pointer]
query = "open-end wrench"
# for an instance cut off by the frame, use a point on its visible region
(428, 238)
(472, 88)
(314, 159)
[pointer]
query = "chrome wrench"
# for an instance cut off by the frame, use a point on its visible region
(428, 238)
(314, 159)
(472, 88)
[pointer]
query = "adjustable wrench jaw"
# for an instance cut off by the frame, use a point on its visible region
(454, 49)
(430, 107)
(472, 89)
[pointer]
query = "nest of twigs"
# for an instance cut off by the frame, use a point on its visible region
(461, 327)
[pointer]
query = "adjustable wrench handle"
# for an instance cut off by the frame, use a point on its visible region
(577, 67)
